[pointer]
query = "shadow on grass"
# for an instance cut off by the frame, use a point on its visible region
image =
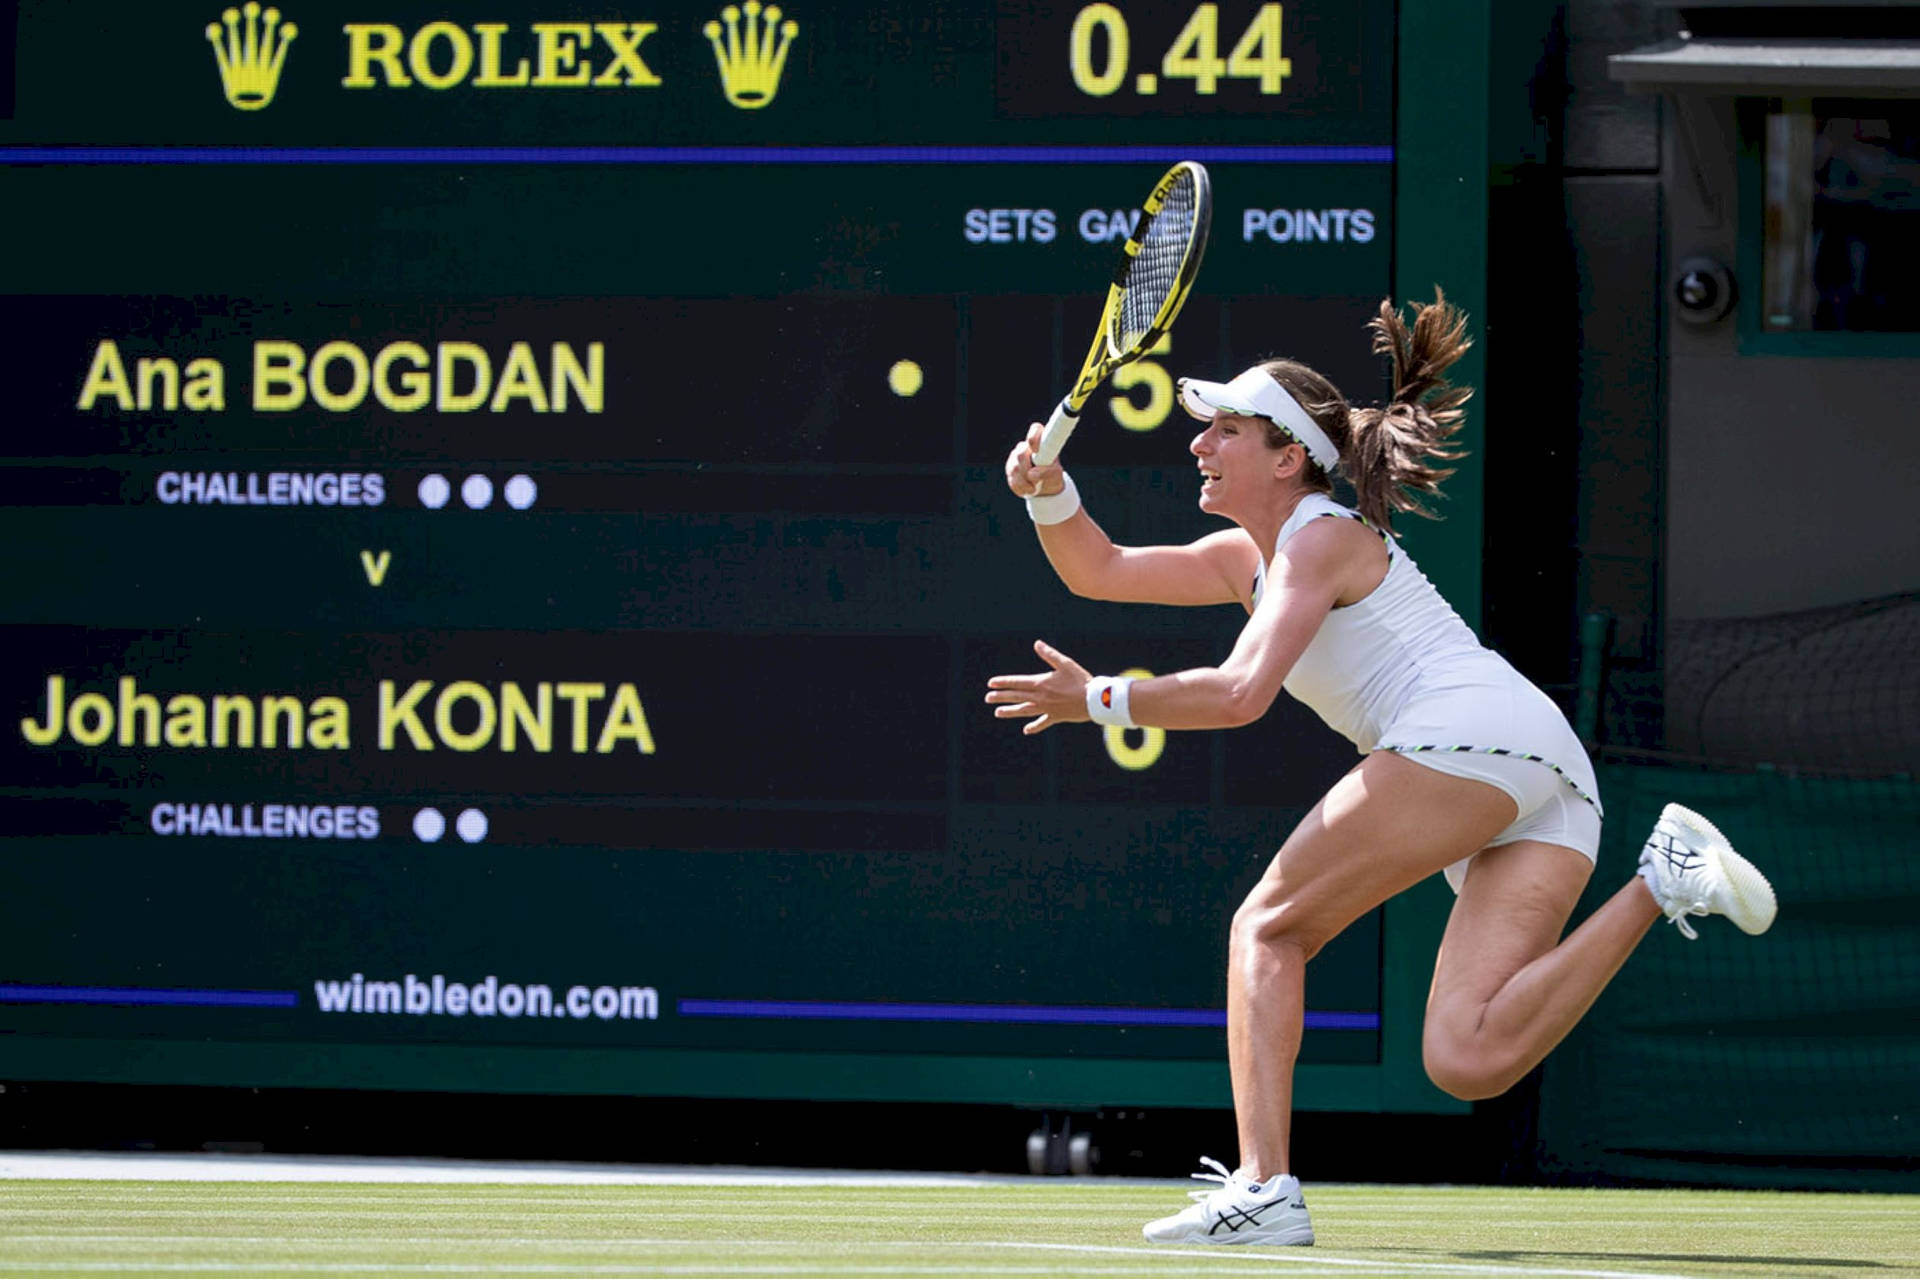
(1524, 1256)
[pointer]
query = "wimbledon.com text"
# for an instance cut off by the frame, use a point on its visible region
(435, 996)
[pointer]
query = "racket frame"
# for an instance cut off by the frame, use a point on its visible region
(1103, 357)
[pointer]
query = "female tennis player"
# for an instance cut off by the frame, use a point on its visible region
(1468, 769)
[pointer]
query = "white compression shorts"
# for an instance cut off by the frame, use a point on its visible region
(1550, 810)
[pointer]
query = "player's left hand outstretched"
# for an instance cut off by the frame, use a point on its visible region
(1058, 696)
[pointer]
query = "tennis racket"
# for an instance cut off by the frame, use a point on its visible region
(1156, 273)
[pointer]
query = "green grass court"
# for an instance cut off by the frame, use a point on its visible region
(984, 1227)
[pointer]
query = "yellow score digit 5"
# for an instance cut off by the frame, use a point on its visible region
(1159, 384)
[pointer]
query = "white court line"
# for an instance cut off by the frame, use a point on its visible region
(29, 1166)
(442, 1268)
(1169, 1255)
(1312, 1259)
(655, 1270)
(81, 1166)
(329, 1196)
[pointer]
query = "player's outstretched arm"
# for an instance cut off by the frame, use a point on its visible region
(1321, 566)
(1204, 697)
(1216, 569)
(1057, 696)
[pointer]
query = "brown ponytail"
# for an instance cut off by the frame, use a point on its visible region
(1388, 451)
(1384, 452)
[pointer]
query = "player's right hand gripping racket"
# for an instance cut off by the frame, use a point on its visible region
(1156, 273)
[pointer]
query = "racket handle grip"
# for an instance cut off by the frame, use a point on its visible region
(1054, 438)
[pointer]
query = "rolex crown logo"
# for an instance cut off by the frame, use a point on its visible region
(250, 55)
(751, 54)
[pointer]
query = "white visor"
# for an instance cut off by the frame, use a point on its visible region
(1255, 394)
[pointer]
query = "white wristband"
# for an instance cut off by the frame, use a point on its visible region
(1055, 508)
(1109, 701)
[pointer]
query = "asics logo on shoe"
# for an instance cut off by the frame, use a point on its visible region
(1236, 1219)
(1247, 1218)
(1678, 856)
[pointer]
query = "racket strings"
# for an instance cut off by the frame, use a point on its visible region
(1154, 272)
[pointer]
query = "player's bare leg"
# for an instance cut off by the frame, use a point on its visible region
(1506, 987)
(1384, 827)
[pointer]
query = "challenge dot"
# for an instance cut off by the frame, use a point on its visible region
(521, 492)
(905, 378)
(434, 492)
(472, 825)
(477, 491)
(429, 825)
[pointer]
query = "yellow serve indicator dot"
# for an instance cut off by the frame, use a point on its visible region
(1146, 84)
(905, 378)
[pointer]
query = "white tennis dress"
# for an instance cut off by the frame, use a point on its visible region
(1400, 671)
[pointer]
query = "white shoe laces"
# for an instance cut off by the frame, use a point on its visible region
(1677, 913)
(1675, 871)
(1219, 1174)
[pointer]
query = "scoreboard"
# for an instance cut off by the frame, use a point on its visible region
(506, 541)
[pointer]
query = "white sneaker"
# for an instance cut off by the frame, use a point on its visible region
(1240, 1211)
(1693, 870)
